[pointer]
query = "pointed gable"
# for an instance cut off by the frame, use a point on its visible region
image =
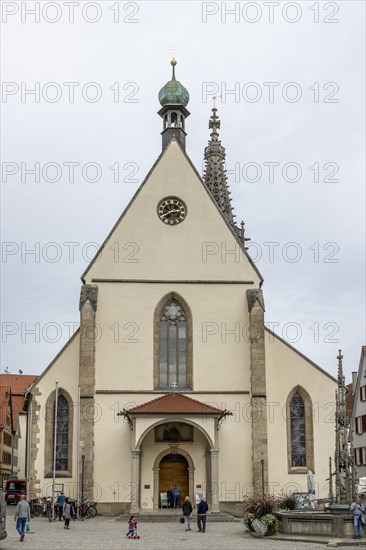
(202, 247)
(174, 403)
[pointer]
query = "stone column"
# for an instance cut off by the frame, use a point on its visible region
(156, 488)
(215, 506)
(191, 484)
(258, 389)
(88, 306)
(135, 481)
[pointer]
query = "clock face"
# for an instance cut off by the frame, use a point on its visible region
(172, 210)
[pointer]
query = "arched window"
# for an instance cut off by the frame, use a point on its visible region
(64, 429)
(62, 434)
(300, 431)
(173, 344)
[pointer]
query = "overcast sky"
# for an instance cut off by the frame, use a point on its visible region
(291, 80)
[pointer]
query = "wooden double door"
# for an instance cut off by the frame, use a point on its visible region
(174, 470)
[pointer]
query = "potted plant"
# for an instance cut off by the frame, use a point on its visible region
(258, 517)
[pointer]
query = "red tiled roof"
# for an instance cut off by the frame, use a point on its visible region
(4, 403)
(350, 397)
(17, 403)
(17, 382)
(174, 403)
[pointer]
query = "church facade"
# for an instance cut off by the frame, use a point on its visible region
(172, 376)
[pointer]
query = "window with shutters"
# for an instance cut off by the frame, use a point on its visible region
(360, 424)
(363, 393)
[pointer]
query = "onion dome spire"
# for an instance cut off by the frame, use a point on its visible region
(215, 174)
(173, 93)
(174, 98)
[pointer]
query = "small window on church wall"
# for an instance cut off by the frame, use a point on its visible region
(62, 438)
(298, 435)
(172, 346)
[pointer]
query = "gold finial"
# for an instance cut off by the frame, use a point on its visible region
(173, 62)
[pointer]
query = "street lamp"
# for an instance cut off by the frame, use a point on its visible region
(262, 465)
(82, 477)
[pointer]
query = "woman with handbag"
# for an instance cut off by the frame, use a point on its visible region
(358, 509)
(187, 510)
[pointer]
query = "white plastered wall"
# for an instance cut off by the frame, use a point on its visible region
(65, 371)
(286, 369)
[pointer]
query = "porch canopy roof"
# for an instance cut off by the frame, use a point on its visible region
(175, 403)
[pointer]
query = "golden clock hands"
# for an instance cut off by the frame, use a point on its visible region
(170, 212)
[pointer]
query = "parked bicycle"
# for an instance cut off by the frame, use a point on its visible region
(52, 514)
(36, 508)
(87, 509)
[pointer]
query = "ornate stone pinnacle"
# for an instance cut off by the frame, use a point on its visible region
(340, 369)
(215, 174)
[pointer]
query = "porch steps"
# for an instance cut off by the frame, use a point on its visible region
(173, 516)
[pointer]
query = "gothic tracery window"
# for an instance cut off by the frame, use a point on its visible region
(62, 434)
(172, 346)
(298, 432)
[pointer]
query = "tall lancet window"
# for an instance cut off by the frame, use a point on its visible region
(62, 437)
(173, 346)
(298, 431)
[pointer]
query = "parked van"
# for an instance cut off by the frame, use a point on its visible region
(3, 533)
(13, 489)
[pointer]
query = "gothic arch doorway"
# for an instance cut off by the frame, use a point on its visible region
(173, 470)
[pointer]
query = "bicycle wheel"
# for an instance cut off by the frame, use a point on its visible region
(91, 512)
(37, 510)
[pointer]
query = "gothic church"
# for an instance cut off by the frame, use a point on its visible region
(172, 376)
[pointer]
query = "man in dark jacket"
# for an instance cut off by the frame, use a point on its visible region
(201, 515)
(187, 510)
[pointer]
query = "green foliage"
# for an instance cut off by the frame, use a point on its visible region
(287, 502)
(258, 513)
(259, 505)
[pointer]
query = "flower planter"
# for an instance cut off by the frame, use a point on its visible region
(269, 531)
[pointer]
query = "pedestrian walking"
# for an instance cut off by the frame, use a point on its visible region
(202, 510)
(61, 499)
(187, 510)
(67, 513)
(357, 508)
(22, 515)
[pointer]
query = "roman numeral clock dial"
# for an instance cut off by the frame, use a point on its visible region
(172, 210)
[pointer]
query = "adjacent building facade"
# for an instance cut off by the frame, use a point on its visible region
(13, 425)
(172, 376)
(359, 417)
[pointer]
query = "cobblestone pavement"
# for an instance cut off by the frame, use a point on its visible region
(110, 533)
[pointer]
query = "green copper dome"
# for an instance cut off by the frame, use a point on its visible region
(173, 93)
